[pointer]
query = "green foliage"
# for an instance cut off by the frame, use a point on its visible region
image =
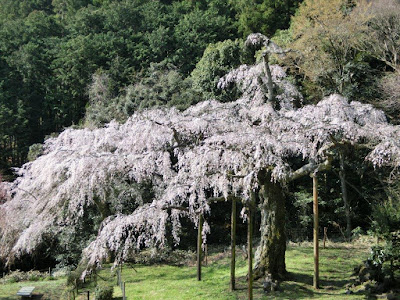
(300, 214)
(104, 291)
(74, 276)
(35, 151)
(102, 107)
(160, 85)
(385, 225)
(303, 204)
(10, 9)
(25, 79)
(265, 16)
(385, 219)
(71, 241)
(218, 59)
(357, 232)
(50, 50)
(18, 276)
(195, 31)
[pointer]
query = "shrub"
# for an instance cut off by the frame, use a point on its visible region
(104, 291)
(17, 276)
(74, 277)
(35, 151)
(385, 224)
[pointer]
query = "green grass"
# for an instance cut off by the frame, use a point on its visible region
(46, 289)
(179, 282)
(171, 282)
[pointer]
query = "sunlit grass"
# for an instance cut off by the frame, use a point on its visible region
(171, 282)
(44, 290)
(179, 282)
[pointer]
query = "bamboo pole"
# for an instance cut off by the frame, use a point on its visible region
(250, 251)
(316, 249)
(233, 244)
(199, 243)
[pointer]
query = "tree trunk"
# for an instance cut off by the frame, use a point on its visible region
(270, 254)
(270, 83)
(345, 197)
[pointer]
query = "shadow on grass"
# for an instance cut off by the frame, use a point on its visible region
(174, 275)
(307, 279)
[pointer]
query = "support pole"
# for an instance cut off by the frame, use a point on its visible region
(199, 243)
(233, 244)
(123, 291)
(250, 251)
(316, 249)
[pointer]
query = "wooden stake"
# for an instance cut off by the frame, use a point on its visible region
(206, 254)
(199, 243)
(250, 251)
(233, 244)
(325, 235)
(316, 249)
(123, 292)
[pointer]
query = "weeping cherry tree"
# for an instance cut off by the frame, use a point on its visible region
(163, 165)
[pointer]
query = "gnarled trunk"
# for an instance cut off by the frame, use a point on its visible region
(270, 254)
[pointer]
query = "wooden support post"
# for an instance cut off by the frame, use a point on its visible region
(88, 295)
(250, 251)
(206, 254)
(199, 243)
(233, 244)
(316, 249)
(123, 291)
(118, 275)
(325, 235)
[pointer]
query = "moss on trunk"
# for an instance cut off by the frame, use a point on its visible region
(270, 254)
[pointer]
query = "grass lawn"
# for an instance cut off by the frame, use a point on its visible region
(179, 282)
(172, 282)
(45, 290)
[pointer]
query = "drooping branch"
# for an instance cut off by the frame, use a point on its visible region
(310, 168)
